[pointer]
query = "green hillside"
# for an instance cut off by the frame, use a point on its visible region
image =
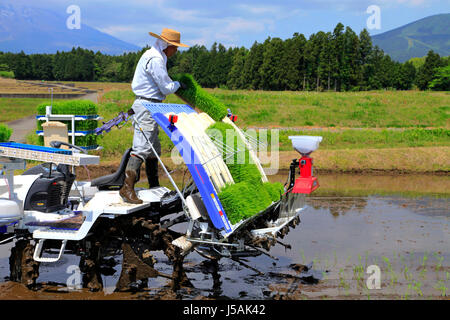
(417, 38)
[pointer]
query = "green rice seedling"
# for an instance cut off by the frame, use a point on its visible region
(358, 272)
(195, 96)
(406, 296)
(316, 262)
(439, 259)
(274, 189)
(357, 275)
(243, 200)
(405, 273)
(424, 259)
(303, 256)
(240, 166)
(342, 283)
(441, 287)
(5, 132)
(394, 278)
(326, 263)
(424, 269)
(348, 260)
(248, 195)
(390, 270)
(76, 107)
(387, 262)
(417, 288)
(402, 260)
(423, 273)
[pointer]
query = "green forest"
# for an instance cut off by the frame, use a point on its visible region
(328, 61)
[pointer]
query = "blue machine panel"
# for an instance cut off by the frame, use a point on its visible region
(167, 107)
(200, 176)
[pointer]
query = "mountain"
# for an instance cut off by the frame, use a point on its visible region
(36, 30)
(417, 38)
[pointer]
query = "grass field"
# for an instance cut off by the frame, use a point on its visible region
(7, 74)
(31, 87)
(373, 109)
(398, 142)
(17, 108)
(374, 120)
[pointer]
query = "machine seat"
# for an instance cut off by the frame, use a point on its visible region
(114, 180)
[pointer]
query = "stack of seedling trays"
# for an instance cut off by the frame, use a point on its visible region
(86, 118)
(251, 193)
(5, 132)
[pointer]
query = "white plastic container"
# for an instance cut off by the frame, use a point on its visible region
(9, 212)
(305, 144)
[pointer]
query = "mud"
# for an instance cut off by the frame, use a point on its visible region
(398, 224)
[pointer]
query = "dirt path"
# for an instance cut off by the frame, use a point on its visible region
(21, 128)
(91, 96)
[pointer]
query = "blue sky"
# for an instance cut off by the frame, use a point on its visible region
(238, 23)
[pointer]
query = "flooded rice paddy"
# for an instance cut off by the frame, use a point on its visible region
(354, 224)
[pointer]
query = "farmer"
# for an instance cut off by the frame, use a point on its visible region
(150, 83)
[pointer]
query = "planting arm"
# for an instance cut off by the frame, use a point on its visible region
(107, 126)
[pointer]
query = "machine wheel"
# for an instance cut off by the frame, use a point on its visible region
(92, 278)
(138, 261)
(22, 266)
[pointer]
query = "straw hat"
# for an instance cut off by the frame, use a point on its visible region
(170, 36)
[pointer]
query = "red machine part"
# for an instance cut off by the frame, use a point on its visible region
(233, 118)
(173, 118)
(306, 183)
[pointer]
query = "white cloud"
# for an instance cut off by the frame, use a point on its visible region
(197, 41)
(412, 2)
(243, 25)
(260, 9)
(409, 3)
(184, 15)
(115, 29)
(278, 12)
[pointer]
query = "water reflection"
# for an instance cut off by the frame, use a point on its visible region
(338, 206)
(369, 226)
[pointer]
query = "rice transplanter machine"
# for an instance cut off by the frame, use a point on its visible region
(48, 213)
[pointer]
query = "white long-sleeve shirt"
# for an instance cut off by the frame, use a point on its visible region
(151, 79)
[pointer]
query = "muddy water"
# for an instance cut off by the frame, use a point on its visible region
(399, 224)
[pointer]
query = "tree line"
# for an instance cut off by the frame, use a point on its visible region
(328, 61)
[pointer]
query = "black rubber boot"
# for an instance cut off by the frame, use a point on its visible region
(151, 169)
